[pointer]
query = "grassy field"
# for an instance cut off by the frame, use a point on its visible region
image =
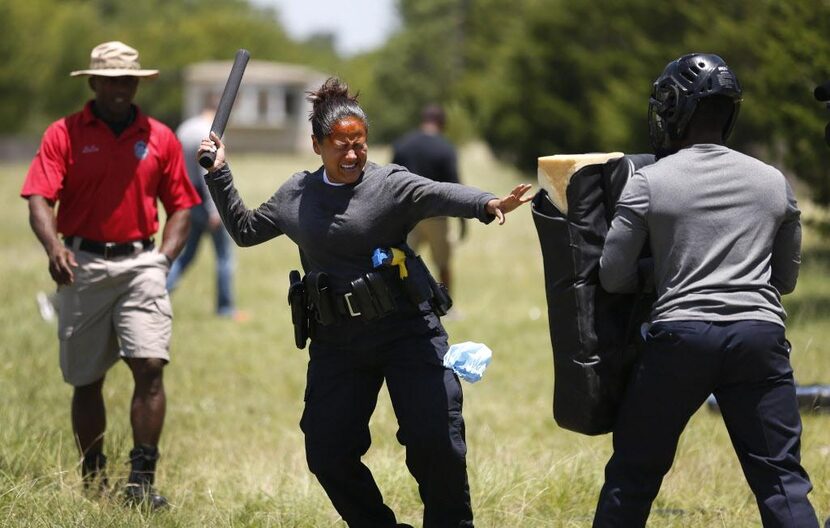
(232, 451)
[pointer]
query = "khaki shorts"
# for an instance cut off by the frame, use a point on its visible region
(435, 232)
(115, 308)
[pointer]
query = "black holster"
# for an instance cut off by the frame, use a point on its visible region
(298, 301)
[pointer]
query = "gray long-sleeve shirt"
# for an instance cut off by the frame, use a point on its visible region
(338, 227)
(724, 231)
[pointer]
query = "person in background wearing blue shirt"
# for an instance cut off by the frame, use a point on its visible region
(204, 217)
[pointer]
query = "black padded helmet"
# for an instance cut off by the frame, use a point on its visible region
(676, 92)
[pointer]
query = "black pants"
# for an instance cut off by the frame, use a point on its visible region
(746, 365)
(348, 364)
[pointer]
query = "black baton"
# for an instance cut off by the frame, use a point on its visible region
(223, 111)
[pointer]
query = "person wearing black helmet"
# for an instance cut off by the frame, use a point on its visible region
(725, 234)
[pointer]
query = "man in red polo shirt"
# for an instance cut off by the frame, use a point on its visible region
(106, 166)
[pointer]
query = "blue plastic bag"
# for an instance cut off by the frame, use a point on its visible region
(468, 360)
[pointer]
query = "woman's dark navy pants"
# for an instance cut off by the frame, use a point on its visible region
(348, 364)
(746, 365)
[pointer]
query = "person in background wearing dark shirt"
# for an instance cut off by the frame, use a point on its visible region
(426, 152)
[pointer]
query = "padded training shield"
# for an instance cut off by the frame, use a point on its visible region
(592, 331)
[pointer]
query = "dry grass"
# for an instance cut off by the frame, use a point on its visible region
(232, 452)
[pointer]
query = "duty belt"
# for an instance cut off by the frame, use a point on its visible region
(109, 250)
(314, 300)
(370, 296)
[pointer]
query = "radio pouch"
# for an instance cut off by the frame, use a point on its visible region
(320, 297)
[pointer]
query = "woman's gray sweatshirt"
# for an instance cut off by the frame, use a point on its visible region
(338, 227)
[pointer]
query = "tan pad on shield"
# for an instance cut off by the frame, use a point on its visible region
(555, 173)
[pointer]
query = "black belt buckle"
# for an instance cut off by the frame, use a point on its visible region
(110, 250)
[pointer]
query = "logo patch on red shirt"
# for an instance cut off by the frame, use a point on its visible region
(141, 150)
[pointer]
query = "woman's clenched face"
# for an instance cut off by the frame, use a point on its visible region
(344, 151)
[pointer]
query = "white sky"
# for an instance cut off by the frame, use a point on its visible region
(358, 25)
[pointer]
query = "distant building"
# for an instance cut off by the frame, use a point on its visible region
(270, 113)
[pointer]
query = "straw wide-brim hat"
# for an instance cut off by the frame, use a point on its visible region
(115, 59)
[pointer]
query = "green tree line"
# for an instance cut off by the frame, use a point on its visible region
(540, 77)
(530, 77)
(43, 40)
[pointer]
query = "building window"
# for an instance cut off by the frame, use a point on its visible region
(262, 105)
(291, 100)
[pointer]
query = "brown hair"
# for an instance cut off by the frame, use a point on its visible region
(433, 113)
(331, 103)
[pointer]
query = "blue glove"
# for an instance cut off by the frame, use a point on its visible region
(468, 360)
(381, 257)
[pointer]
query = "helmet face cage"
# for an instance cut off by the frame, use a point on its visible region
(676, 92)
(662, 108)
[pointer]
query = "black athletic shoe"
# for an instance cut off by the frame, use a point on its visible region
(144, 496)
(140, 491)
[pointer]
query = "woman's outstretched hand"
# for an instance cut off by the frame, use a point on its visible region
(213, 144)
(501, 206)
